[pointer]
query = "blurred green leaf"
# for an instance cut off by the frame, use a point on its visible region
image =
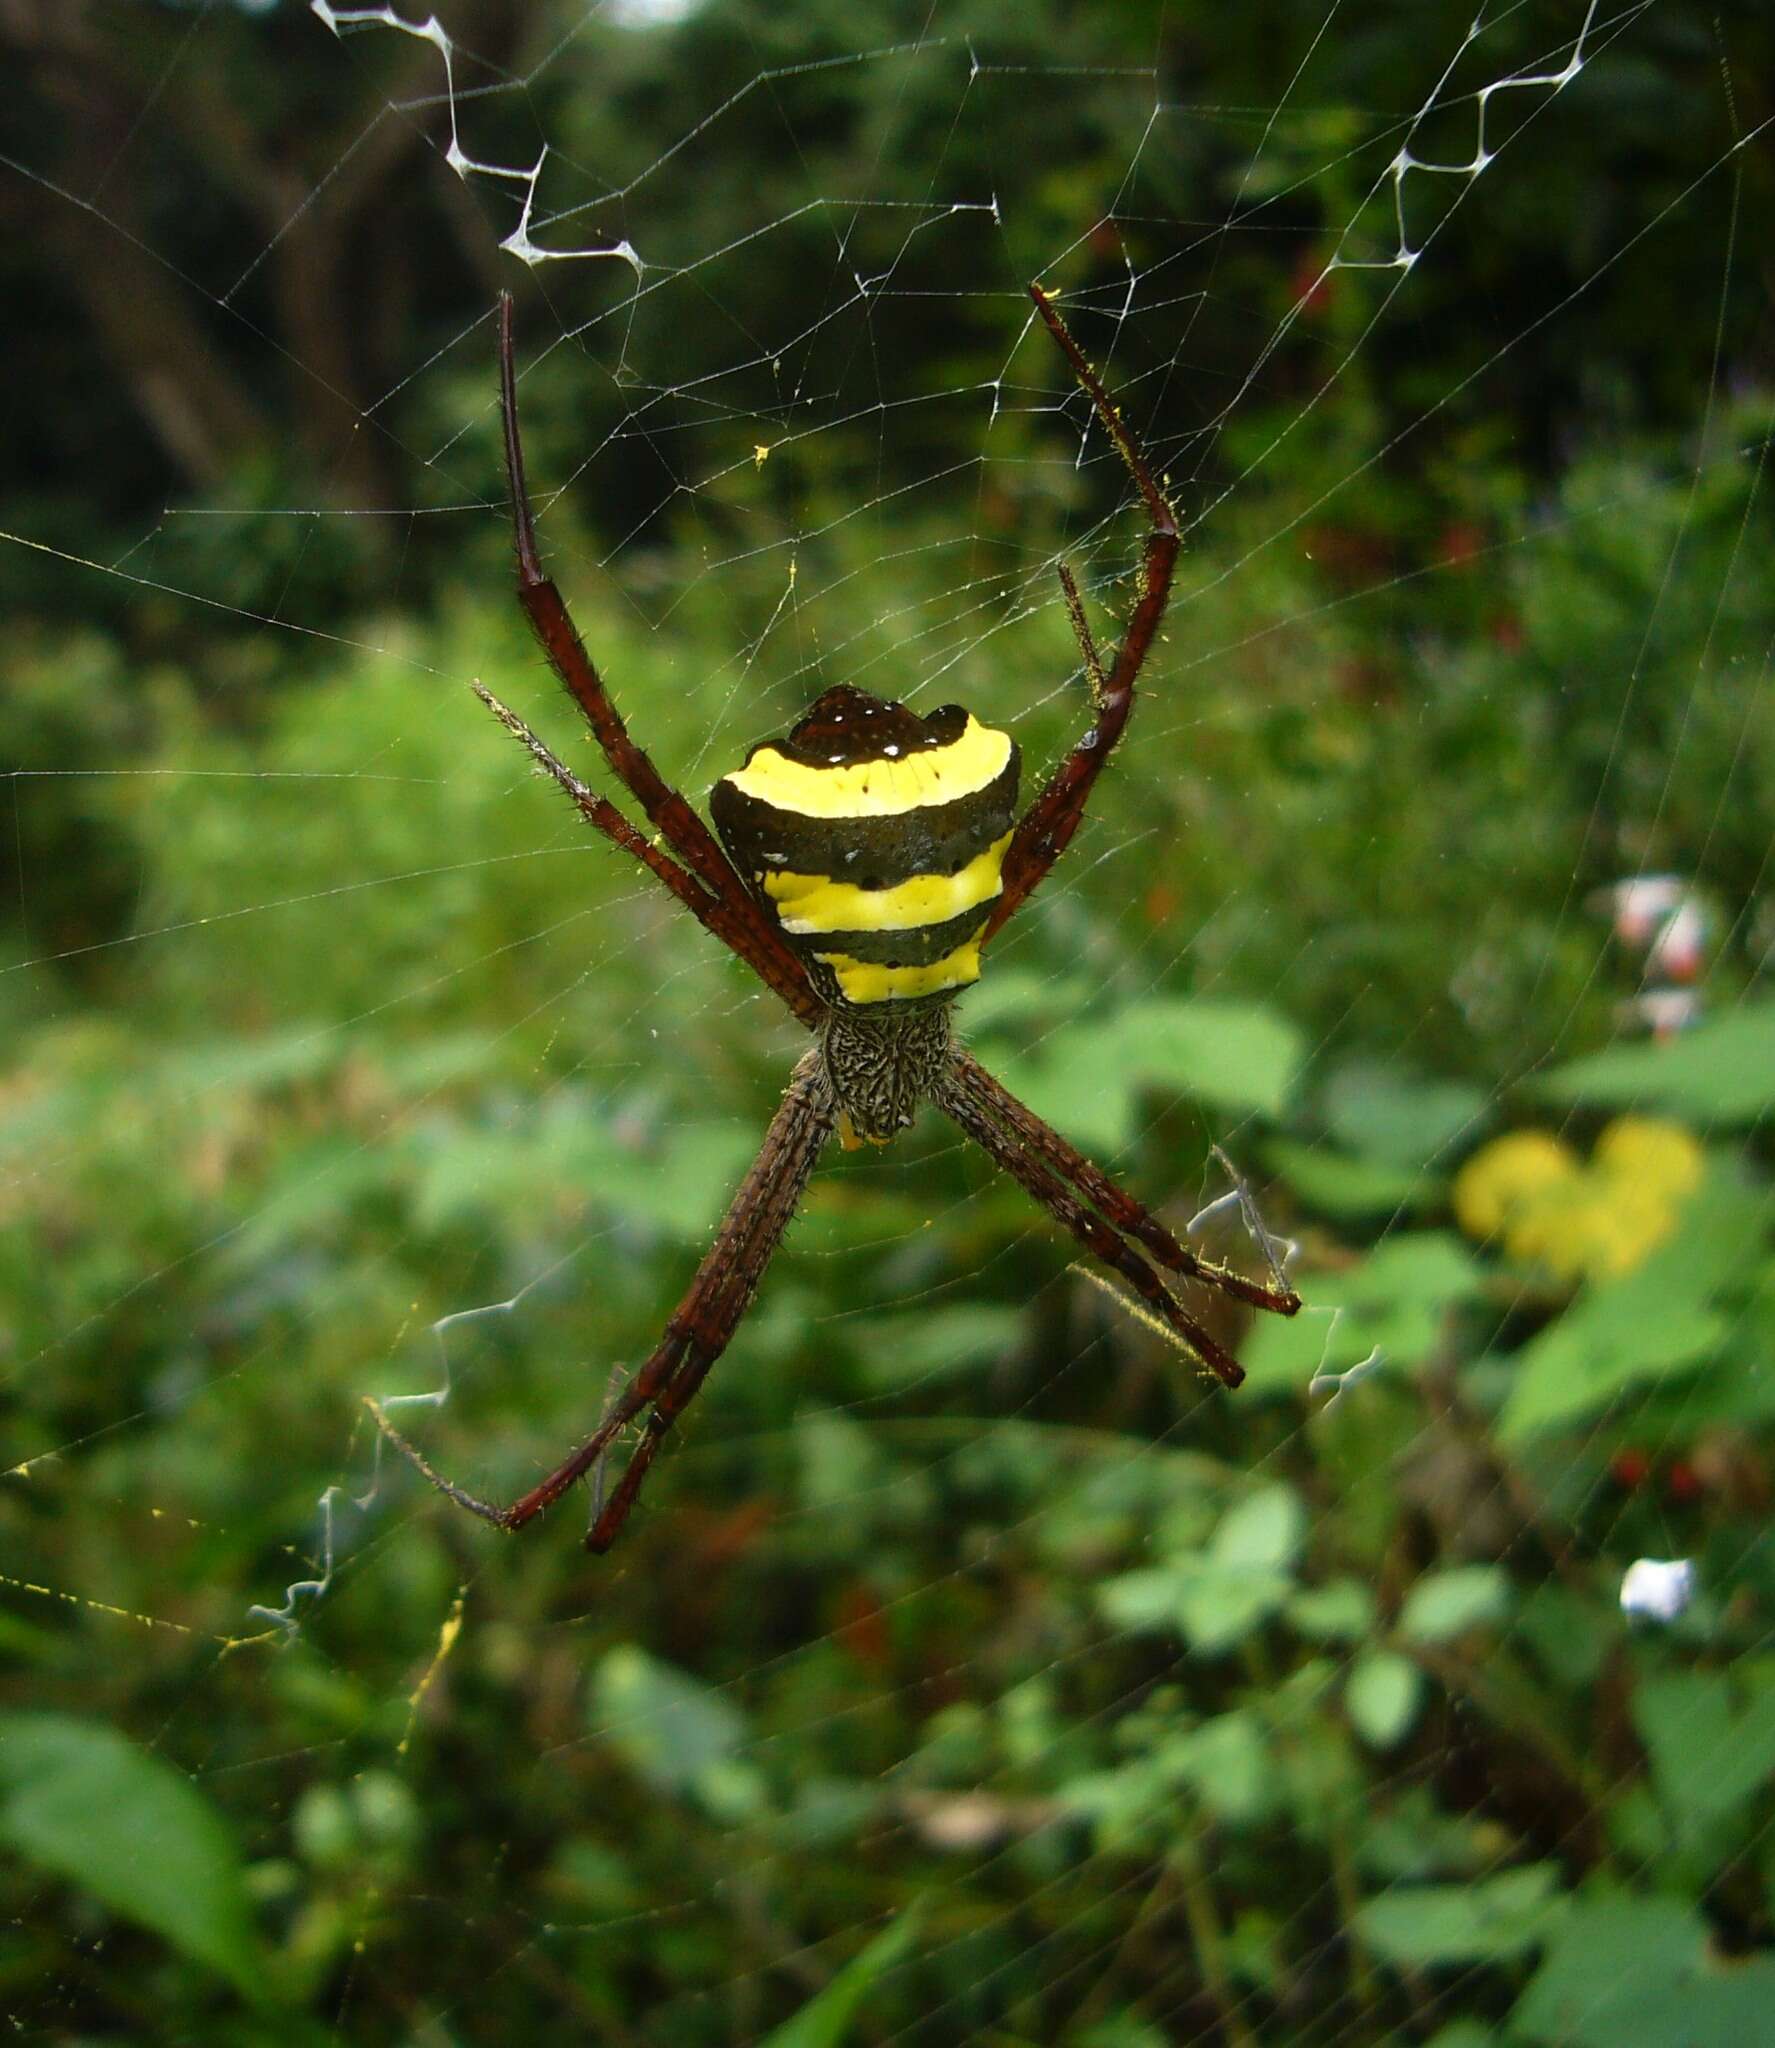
(1394, 1301)
(681, 1735)
(1231, 1056)
(1709, 1755)
(1424, 1926)
(1383, 1115)
(77, 1799)
(1219, 1608)
(1445, 1604)
(1641, 1973)
(1651, 1323)
(1382, 1696)
(937, 1344)
(1343, 1185)
(1088, 1077)
(1340, 1612)
(825, 2021)
(1263, 1532)
(1227, 1763)
(1721, 1071)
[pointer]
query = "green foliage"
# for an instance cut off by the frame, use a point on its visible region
(1637, 1973)
(1716, 1074)
(965, 1658)
(79, 1801)
(930, 1569)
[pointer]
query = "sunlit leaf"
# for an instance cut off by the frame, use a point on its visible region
(1381, 1696)
(1263, 1532)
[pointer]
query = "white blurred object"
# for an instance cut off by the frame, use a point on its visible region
(1638, 907)
(1656, 1589)
(1661, 1011)
(1677, 952)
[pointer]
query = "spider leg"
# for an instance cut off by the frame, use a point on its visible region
(1030, 1171)
(993, 1099)
(699, 1328)
(744, 926)
(1046, 828)
(715, 913)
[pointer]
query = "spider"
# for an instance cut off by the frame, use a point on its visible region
(864, 860)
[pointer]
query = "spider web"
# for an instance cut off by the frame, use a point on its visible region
(969, 1670)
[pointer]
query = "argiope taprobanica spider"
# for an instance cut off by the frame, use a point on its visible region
(869, 855)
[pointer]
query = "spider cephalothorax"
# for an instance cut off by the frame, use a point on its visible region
(864, 860)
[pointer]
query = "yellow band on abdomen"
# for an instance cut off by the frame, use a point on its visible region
(866, 981)
(877, 788)
(817, 903)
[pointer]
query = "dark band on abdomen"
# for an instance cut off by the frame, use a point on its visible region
(875, 838)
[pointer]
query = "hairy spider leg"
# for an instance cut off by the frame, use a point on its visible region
(993, 1099)
(1047, 827)
(744, 926)
(765, 1206)
(959, 1104)
(715, 913)
(699, 1328)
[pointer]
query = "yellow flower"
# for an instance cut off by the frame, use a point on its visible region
(1576, 1221)
(1650, 1154)
(1509, 1173)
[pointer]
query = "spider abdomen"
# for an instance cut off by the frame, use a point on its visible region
(875, 838)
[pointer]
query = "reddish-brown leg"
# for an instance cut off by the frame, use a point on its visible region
(699, 1328)
(714, 912)
(993, 1099)
(743, 925)
(1043, 832)
(961, 1105)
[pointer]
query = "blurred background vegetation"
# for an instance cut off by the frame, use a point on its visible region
(968, 1673)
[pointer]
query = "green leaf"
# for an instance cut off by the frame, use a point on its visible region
(681, 1735)
(1385, 1115)
(1226, 1762)
(1420, 1926)
(1382, 1696)
(1395, 1301)
(1212, 1606)
(1720, 1072)
(1087, 1077)
(1345, 1186)
(1143, 1600)
(78, 1799)
(1341, 1612)
(1709, 1757)
(937, 1344)
(824, 2022)
(1219, 1608)
(1648, 1325)
(1263, 1532)
(1641, 1973)
(1446, 1604)
(1232, 1056)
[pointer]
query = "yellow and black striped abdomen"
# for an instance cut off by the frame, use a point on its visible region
(875, 837)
